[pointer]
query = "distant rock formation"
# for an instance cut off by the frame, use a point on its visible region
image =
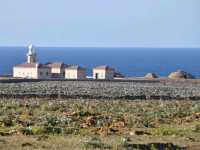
(151, 76)
(118, 75)
(180, 74)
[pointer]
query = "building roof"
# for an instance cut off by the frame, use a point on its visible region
(75, 67)
(31, 65)
(104, 67)
(43, 66)
(56, 65)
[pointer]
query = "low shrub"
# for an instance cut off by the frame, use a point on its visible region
(71, 130)
(197, 128)
(7, 121)
(26, 130)
(170, 132)
(37, 130)
(4, 132)
(53, 130)
(95, 143)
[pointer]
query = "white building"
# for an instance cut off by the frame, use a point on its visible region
(75, 72)
(57, 69)
(31, 69)
(103, 72)
(34, 70)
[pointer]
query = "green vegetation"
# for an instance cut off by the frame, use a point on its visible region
(98, 124)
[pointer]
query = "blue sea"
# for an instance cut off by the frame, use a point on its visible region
(128, 61)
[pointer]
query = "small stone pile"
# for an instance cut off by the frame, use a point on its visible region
(151, 76)
(180, 74)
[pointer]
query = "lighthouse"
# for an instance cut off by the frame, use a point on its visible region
(31, 55)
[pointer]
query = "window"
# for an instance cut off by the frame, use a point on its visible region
(47, 73)
(41, 73)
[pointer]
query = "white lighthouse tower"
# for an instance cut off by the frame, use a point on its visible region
(31, 55)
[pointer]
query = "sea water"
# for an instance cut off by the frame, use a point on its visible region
(128, 61)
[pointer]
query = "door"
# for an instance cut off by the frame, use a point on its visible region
(96, 76)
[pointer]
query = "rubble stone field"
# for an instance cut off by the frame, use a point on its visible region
(158, 89)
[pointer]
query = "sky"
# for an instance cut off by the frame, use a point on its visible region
(100, 23)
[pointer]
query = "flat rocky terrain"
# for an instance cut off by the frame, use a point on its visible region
(135, 89)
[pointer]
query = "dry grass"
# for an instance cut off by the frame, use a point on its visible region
(97, 124)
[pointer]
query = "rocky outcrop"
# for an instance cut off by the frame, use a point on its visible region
(180, 74)
(151, 76)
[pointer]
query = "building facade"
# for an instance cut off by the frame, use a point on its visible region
(57, 69)
(103, 72)
(75, 72)
(31, 71)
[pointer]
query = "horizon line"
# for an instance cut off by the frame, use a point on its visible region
(72, 46)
